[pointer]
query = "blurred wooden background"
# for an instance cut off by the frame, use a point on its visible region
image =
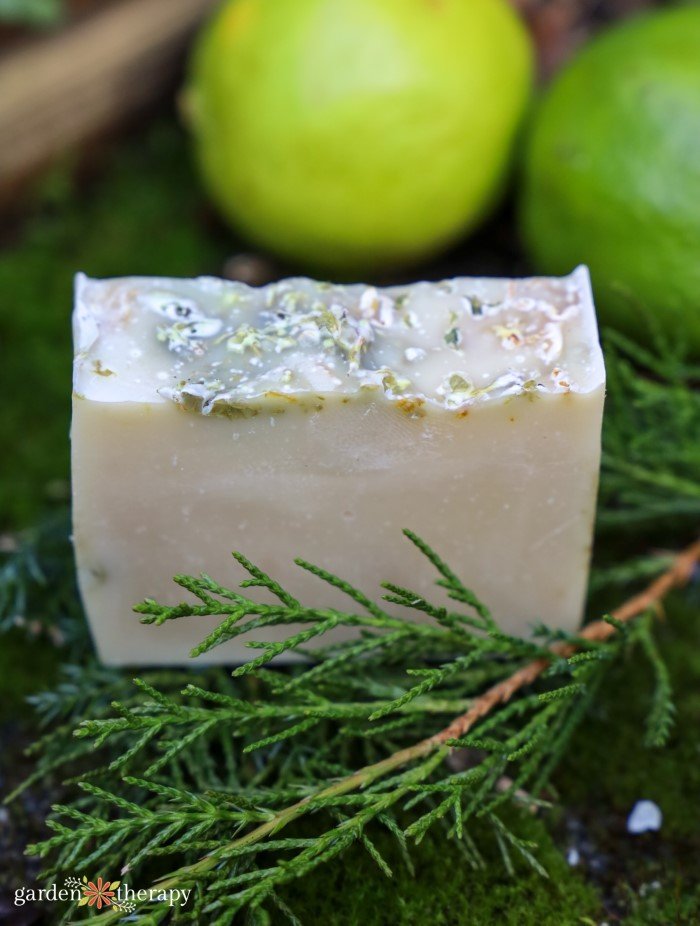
(97, 67)
(72, 70)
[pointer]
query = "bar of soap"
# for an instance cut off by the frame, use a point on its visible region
(314, 420)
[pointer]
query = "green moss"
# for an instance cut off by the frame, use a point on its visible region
(663, 906)
(445, 891)
(143, 216)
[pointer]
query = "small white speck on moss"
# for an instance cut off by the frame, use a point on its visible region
(645, 817)
(573, 857)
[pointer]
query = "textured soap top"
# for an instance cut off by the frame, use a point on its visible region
(219, 347)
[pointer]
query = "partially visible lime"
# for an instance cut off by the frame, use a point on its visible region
(612, 173)
(349, 135)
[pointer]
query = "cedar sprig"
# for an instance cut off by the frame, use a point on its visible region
(238, 789)
(38, 592)
(651, 452)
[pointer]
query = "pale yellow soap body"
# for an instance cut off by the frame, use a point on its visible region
(468, 411)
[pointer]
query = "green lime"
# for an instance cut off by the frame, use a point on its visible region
(349, 135)
(612, 173)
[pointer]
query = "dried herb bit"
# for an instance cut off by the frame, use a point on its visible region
(101, 370)
(453, 337)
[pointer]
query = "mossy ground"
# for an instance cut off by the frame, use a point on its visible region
(144, 214)
(444, 890)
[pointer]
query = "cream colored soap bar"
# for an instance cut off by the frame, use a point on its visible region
(313, 420)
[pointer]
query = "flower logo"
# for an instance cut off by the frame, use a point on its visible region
(100, 894)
